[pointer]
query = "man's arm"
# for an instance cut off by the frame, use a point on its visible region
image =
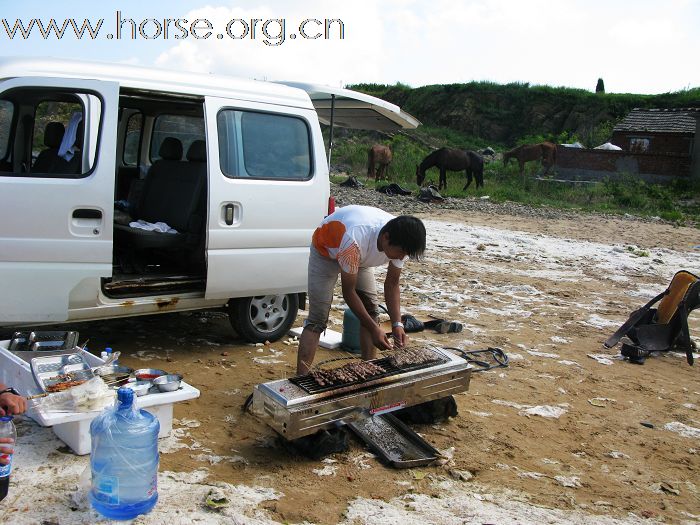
(379, 338)
(392, 295)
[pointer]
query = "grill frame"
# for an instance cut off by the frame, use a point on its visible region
(294, 413)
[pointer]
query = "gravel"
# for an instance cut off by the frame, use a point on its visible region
(410, 205)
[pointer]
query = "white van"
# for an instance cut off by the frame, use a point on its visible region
(93, 155)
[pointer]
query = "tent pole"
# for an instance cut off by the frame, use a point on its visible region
(330, 137)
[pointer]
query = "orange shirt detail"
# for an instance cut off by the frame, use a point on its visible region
(328, 235)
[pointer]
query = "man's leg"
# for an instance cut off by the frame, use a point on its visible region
(308, 343)
(366, 288)
(323, 274)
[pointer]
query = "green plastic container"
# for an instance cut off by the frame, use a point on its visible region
(351, 332)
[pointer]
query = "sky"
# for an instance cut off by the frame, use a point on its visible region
(640, 46)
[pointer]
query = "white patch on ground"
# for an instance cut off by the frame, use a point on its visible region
(683, 430)
(267, 360)
(456, 505)
(573, 482)
(559, 340)
(543, 354)
(553, 412)
(213, 459)
(531, 475)
(598, 322)
(617, 455)
(603, 359)
(360, 461)
(480, 414)
(508, 404)
(328, 470)
(690, 406)
(568, 363)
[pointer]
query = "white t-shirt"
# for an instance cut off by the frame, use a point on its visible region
(349, 235)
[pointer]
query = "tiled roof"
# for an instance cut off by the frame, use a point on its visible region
(660, 120)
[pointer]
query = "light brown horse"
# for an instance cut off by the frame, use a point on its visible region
(546, 152)
(378, 159)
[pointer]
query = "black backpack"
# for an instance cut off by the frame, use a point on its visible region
(663, 328)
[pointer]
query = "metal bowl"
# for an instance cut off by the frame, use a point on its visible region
(148, 374)
(140, 388)
(114, 375)
(168, 383)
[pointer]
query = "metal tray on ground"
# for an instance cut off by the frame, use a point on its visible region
(28, 345)
(394, 442)
(49, 370)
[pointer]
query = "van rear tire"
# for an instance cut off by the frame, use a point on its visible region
(263, 317)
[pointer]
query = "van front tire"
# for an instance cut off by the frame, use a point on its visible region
(263, 317)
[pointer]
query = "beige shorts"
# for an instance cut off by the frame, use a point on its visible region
(323, 276)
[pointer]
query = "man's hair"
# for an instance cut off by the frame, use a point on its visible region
(408, 232)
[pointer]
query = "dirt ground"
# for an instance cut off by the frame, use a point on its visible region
(547, 292)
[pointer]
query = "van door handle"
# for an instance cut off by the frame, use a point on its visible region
(228, 214)
(87, 213)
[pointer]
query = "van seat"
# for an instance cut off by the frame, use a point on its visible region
(53, 135)
(172, 194)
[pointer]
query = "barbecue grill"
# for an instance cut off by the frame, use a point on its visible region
(299, 406)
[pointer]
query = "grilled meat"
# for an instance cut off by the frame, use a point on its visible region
(349, 373)
(412, 356)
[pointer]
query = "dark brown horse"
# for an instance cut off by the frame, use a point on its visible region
(546, 152)
(378, 159)
(447, 159)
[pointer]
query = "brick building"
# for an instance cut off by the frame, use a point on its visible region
(657, 145)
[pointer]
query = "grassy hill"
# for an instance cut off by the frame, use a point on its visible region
(480, 114)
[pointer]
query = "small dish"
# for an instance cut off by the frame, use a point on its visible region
(168, 383)
(149, 374)
(140, 388)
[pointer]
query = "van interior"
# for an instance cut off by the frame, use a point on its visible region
(160, 185)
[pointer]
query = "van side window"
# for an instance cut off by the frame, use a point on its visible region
(184, 128)
(53, 133)
(133, 139)
(263, 146)
(6, 113)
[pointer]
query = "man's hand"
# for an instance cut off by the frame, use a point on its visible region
(381, 340)
(400, 337)
(12, 404)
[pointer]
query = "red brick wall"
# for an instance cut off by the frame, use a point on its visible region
(658, 142)
(596, 163)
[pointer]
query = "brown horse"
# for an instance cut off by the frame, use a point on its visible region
(378, 159)
(453, 160)
(546, 152)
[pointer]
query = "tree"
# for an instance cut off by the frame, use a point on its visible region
(600, 87)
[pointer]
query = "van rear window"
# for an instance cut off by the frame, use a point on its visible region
(263, 146)
(184, 128)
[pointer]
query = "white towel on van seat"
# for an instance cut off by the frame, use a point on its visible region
(67, 148)
(152, 226)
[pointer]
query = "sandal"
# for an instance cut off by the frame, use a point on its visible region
(448, 327)
(411, 324)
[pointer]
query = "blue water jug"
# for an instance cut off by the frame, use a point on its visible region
(351, 332)
(124, 459)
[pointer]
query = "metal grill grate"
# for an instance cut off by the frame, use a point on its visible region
(309, 384)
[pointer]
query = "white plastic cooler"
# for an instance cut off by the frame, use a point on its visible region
(73, 428)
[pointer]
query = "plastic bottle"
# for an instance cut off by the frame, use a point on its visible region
(7, 432)
(124, 459)
(106, 353)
